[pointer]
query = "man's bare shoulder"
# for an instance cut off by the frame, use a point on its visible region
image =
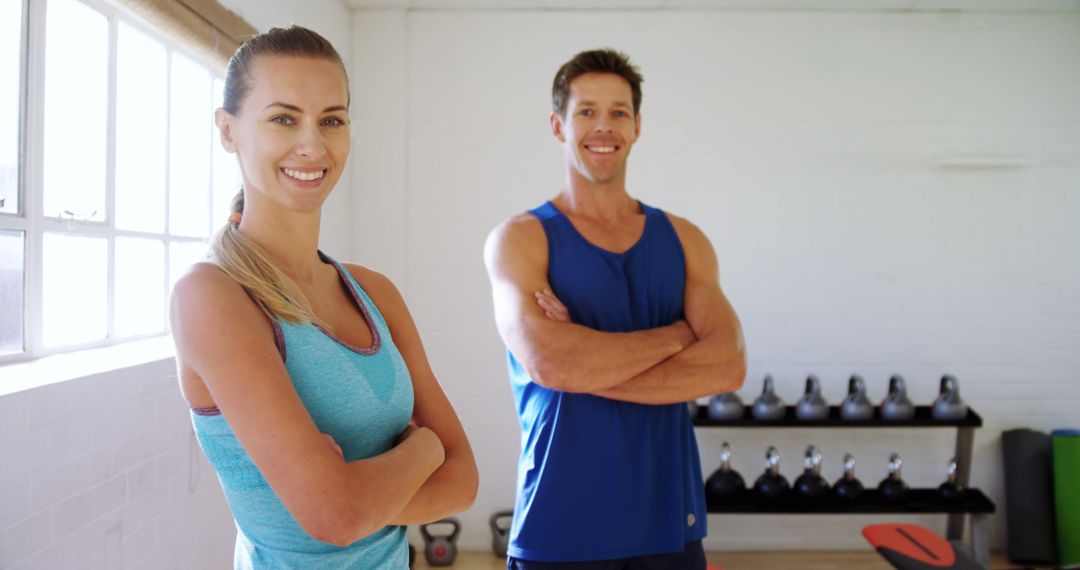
(521, 226)
(689, 233)
(520, 235)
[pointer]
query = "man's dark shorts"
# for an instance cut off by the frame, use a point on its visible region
(691, 558)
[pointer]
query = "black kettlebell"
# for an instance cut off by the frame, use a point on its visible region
(771, 484)
(440, 550)
(892, 487)
(725, 482)
(811, 485)
(897, 406)
(500, 531)
(948, 405)
(950, 490)
(847, 487)
(812, 406)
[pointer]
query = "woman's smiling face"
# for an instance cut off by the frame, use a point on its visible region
(291, 132)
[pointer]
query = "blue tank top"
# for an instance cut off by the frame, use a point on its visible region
(601, 479)
(362, 397)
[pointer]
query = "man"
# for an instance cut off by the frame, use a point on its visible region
(613, 317)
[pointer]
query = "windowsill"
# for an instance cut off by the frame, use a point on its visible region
(63, 367)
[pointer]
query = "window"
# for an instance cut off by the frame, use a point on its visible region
(111, 177)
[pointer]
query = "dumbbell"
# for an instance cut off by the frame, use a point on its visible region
(440, 550)
(500, 534)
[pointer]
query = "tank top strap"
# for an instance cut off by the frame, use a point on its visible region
(361, 296)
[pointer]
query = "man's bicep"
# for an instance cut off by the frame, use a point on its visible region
(704, 303)
(517, 270)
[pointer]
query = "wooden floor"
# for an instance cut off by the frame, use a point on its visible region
(788, 560)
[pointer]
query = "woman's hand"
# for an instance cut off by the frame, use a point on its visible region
(427, 443)
(334, 446)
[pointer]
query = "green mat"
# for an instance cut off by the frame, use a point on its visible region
(1065, 450)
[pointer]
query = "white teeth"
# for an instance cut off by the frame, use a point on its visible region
(602, 149)
(306, 176)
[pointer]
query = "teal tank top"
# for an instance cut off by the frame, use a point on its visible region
(362, 397)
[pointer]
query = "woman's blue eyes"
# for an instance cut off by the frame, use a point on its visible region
(327, 122)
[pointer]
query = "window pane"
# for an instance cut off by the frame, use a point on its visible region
(183, 255)
(73, 289)
(226, 172)
(10, 55)
(11, 292)
(76, 72)
(141, 129)
(140, 286)
(189, 153)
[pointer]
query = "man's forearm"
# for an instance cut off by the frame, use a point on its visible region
(574, 358)
(711, 366)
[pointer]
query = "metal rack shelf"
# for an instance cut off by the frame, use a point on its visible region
(972, 504)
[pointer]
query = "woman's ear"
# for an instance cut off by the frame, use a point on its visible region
(223, 120)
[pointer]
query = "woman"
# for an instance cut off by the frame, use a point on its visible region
(310, 391)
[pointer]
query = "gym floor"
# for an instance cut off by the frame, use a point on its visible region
(788, 560)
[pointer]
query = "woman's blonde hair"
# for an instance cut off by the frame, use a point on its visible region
(255, 271)
(241, 258)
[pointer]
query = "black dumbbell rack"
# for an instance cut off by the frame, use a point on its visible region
(973, 503)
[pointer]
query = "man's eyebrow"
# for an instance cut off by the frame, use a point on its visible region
(291, 107)
(588, 103)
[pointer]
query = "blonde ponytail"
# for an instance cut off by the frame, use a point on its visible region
(247, 263)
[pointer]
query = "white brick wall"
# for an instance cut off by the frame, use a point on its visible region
(805, 145)
(103, 472)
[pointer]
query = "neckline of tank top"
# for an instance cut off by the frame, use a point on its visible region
(640, 239)
(353, 285)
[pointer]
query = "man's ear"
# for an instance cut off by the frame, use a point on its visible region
(223, 120)
(637, 127)
(557, 126)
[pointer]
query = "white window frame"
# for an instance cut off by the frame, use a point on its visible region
(30, 218)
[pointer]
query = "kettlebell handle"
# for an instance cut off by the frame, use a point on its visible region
(948, 383)
(449, 520)
(855, 384)
(496, 517)
(896, 384)
(767, 385)
(812, 385)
